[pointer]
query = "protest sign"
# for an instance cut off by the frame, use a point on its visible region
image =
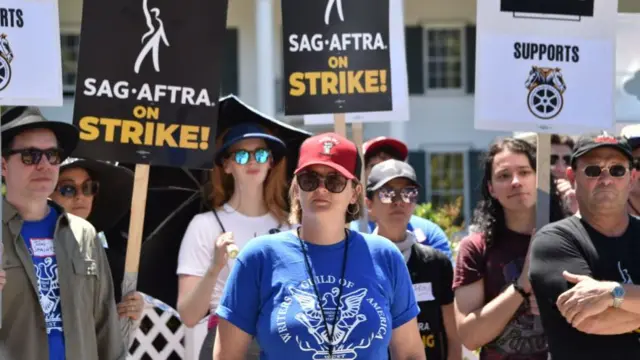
(336, 56)
(30, 60)
(399, 86)
(147, 93)
(545, 66)
(628, 69)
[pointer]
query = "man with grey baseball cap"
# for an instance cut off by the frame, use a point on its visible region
(58, 301)
(392, 192)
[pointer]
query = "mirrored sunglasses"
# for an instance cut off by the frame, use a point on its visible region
(408, 195)
(309, 181)
(242, 157)
(594, 171)
(33, 156)
(87, 188)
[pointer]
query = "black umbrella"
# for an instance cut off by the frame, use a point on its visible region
(176, 195)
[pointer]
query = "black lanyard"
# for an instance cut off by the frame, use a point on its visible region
(315, 287)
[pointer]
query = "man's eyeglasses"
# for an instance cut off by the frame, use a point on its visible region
(565, 158)
(594, 171)
(408, 195)
(310, 180)
(87, 188)
(242, 157)
(33, 156)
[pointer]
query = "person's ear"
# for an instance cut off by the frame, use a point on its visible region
(490, 189)
(226, 166)
(357, 191)
(369, 203)
(4, 165)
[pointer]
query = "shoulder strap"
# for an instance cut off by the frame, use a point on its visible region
(215, 213)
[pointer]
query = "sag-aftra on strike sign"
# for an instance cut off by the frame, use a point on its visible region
(150, 96)
(336, 56)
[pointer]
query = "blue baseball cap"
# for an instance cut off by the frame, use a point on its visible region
(246, 131)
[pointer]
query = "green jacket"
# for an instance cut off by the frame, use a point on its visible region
(90, 321)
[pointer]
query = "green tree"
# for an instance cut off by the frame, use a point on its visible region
(445, 217)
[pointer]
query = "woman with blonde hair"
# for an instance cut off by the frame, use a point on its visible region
(321, 291)
(249, 199)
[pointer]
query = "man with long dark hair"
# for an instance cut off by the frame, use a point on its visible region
(602, 243)
(495, 309)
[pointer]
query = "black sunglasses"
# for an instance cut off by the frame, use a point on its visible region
(242, 157)
(408, 195)
(594, 171)
(565, 158)
(310, 180)
(87, 188)
(33, 156)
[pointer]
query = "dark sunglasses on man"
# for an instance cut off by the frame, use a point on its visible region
(33, 156)
(565, 158)
(87, 188)
(594, 171)
(242, 157)
(408, 195)
(309, 181)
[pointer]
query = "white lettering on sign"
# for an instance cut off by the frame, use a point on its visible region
(42, 247)
(147, 92)
(423, 292)
(336, 42)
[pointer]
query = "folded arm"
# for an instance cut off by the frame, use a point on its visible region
(611, 322)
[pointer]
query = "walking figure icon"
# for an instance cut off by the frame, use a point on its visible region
(154, 35)
(330, 5)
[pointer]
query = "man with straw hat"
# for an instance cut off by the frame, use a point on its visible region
(58, 299)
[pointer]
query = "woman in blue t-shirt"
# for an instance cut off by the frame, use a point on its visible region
(320, 291)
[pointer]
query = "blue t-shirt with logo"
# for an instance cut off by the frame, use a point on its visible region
(426, 232)
(270, 295)
(38, 236)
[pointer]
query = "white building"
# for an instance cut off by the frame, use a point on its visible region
(440, 38)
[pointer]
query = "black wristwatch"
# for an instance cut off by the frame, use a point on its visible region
(520, 290)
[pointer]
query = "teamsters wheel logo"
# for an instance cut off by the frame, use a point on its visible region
(6, 56)
(546, 87)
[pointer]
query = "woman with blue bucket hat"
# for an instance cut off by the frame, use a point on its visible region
(249, 187)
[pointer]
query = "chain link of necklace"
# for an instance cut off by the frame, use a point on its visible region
(317, 292)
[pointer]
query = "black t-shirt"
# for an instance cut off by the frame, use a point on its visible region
(572, 245)
(431, 275)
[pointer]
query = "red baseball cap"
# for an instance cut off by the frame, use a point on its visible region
(381, 141)
(333, 150)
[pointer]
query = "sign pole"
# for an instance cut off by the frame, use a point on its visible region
(1, 239)
(340, 124)
(543, 176)
(134, 241)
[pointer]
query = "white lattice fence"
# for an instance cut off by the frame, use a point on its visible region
(161, 335)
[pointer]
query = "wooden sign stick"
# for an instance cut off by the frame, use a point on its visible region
(340, 124)
(134, 242)
(357, 132)
(543, 174)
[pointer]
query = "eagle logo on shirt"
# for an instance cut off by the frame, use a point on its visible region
(347, 308)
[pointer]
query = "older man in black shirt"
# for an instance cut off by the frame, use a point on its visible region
(583, 269)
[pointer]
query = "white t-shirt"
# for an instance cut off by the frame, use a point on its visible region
(198, 244)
